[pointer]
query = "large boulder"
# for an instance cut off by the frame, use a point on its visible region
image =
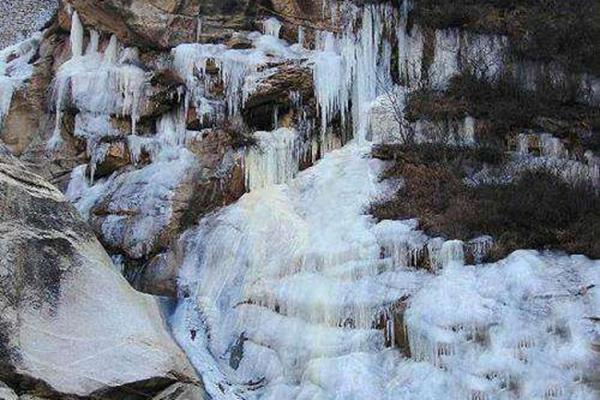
(71, 326)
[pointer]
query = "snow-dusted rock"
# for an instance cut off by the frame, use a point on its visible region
(142, 208)
(70, 324)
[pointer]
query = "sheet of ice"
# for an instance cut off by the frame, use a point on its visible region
(15, 70)
(273, 160)
(446, 58)
(301, 257)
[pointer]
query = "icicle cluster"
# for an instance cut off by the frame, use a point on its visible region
(96, 83)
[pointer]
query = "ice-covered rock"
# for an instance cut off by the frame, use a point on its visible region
(140, 210)
(71, 325)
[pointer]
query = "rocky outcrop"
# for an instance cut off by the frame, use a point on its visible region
(284, 88)
(154, 24)
(70, 324)
(163, 24)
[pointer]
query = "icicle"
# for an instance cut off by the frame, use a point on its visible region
(445, 62)
(468, 131)
(480, 247)
(111, 51)
(77, 33)
(434, 248)
(94, 43)
(301, 35)
(593, 163)
(6, 93)
(171, 128)
(551, 146)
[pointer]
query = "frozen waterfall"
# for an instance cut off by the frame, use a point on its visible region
(294, 291)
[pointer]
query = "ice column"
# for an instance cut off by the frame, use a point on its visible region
(76, 36)
(452, 253)
(272, 27)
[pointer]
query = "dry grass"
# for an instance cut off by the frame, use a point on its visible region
(538, 210)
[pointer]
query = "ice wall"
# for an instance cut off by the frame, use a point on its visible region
(291, 276)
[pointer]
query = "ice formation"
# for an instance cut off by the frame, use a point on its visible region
(445, 62)
(300, 256)
(15, 70)
(273, 160)
(272, 27)
(293, 292)
(95, 83)
(77, 32)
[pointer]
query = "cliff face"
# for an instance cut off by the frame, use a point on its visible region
(225, 153)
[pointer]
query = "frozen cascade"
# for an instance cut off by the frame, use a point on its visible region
(294, 293)
(97, 85)
(301, 256)
(290, 282)
(234, 68)
(515, 329)
(273, 160)
(349, 70)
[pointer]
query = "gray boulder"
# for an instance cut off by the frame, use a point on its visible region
(70, 324)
